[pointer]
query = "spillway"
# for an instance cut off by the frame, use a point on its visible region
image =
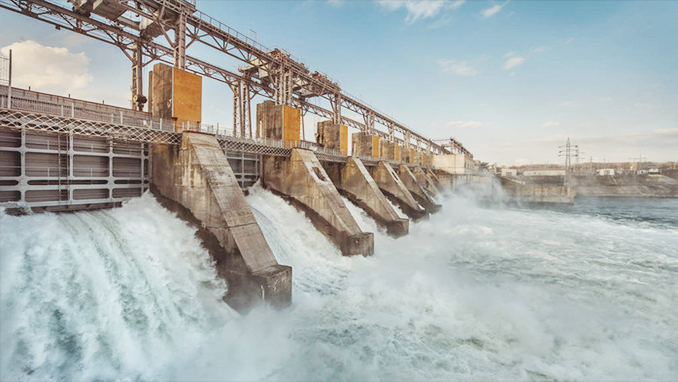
(475, 292)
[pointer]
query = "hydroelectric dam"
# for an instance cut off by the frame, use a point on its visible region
(63, 154)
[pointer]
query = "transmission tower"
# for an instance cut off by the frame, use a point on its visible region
(568, 151)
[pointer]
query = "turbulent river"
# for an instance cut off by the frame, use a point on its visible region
(479, 291)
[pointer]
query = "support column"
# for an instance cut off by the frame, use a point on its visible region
(302, 180)
(138, 98)
(419, 194)
(242, 125)
(197, 182)
(394, 189)
(180, 42)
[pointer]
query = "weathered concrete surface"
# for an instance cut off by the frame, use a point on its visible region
(655, 186)
(365, 144)
(303, 180)
(197, 182)
(175, 94)
(445, 179)
(388, 149)
(358, 185)
(425, 181)
(433, 177)
(278, 122)
(456, 164)
(417, 191)
(392, 186)
(333, 136)
(536, 193)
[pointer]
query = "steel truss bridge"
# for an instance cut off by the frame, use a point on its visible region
(168, 28)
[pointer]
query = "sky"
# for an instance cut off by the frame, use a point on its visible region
(511, 80)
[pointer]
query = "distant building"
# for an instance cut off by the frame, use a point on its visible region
(462, 164)
(606, 172)
(544, 173)
(509, 172)
(653, 171)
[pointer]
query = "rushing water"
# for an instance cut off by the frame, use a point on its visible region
(476, 292)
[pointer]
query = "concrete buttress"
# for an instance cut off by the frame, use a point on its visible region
(389, 182)
(359, 186)
(197, 182)
(433, 177)
(302, 179)
(425, 181)
(417, 191)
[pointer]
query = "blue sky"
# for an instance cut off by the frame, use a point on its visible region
(511, 80)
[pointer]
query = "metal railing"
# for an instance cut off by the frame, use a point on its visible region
(27, 100)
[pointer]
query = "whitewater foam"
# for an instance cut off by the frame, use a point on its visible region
(471, 293)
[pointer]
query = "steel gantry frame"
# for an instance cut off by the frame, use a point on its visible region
(169, 27)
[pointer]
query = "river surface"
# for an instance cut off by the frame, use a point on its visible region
(477, 292)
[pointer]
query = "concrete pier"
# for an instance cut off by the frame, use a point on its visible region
(433, 177)
(417, 191)
(389, 182)
(278, 122)
(197, 182)
(425, 181)
(356, 183)
(333, 136)
(302, 179)
(365, 144)
(388, 149)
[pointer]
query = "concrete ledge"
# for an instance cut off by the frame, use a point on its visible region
(393, 188)
(302, 180)
(425, 181)
(358, 185)
(538, 194)
(197, 182)
(419, 194)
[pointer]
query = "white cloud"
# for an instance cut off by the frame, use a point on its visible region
(509, 54)
(513, 62)
(569, 40)
(491, 11)
(540, 49)
(459, 67)
(551, 124)
(646, 106)
(48, 69)
(466, 124)
(420, 9)
(667, 131)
